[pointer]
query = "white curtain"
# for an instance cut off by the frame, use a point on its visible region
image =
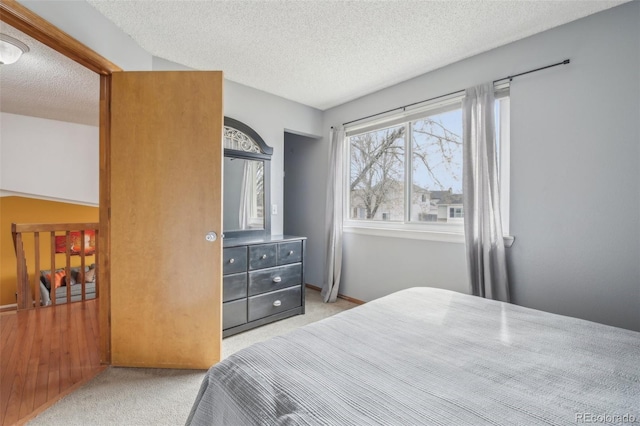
(244, 212)
(334, 215)
(481, 199)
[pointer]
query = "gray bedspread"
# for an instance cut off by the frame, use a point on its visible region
(426, 356)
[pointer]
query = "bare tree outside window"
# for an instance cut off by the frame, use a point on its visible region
(407, 173)
(377, 173)
(377, 170)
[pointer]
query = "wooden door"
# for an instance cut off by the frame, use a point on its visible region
(166, 187)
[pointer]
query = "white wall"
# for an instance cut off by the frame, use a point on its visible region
(575, 152)
(49, 158)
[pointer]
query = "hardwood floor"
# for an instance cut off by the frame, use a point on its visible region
(45, 354)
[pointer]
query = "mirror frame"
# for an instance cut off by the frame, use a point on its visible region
(265, 157)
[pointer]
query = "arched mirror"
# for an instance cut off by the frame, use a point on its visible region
(247, 181)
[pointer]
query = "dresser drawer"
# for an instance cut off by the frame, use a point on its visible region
(289, 252)
(234, 260)
(274, 302)
(234, 313)
(234, 286)
(262, 256)
(274, 278)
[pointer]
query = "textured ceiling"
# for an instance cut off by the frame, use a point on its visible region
(46, 84)
(324, 53)
(319, 53)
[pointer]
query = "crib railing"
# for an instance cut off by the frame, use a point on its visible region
(64, 240)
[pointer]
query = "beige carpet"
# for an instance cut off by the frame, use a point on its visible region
(144, 396)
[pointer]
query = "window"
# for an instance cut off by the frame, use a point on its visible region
(436, 164)
(406, 172)
(377, 173)
(359, 213)
(455, 212)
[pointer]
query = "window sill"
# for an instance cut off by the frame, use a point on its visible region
(413, 234)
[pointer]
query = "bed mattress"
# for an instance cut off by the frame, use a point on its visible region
(427, 356)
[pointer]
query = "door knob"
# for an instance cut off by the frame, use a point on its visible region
(211, 236)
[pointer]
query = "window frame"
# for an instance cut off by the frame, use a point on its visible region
(445, 232)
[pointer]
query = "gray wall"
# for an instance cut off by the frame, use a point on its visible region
(376, 266)
(84, 23)
(271, 116)
(575, 181)
(300, 165)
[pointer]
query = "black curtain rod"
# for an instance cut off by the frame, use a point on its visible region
(511, 77)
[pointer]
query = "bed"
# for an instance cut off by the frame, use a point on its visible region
(429, 356)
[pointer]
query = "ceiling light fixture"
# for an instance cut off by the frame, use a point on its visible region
(11, 49)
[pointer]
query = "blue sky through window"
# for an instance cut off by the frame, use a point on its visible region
(440, 138)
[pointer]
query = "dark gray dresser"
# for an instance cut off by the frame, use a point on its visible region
(263, 281)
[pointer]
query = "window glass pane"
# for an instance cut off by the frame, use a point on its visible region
(437, 168)
(376, 190)
(424, 156)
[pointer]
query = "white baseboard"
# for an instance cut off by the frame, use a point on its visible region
(11, 307)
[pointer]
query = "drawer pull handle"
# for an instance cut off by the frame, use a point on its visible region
(264, 256)
(232, 260)
(277, 279)
(277, 303)
(291, 252)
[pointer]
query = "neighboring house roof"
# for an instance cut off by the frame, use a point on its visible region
(446, 197)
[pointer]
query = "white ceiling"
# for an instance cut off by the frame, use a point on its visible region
(46, 84)
(317, 52)
(323, 53)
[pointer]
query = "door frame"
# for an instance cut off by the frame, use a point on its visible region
(23, 19)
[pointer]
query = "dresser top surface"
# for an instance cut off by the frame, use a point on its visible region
(243, 241)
